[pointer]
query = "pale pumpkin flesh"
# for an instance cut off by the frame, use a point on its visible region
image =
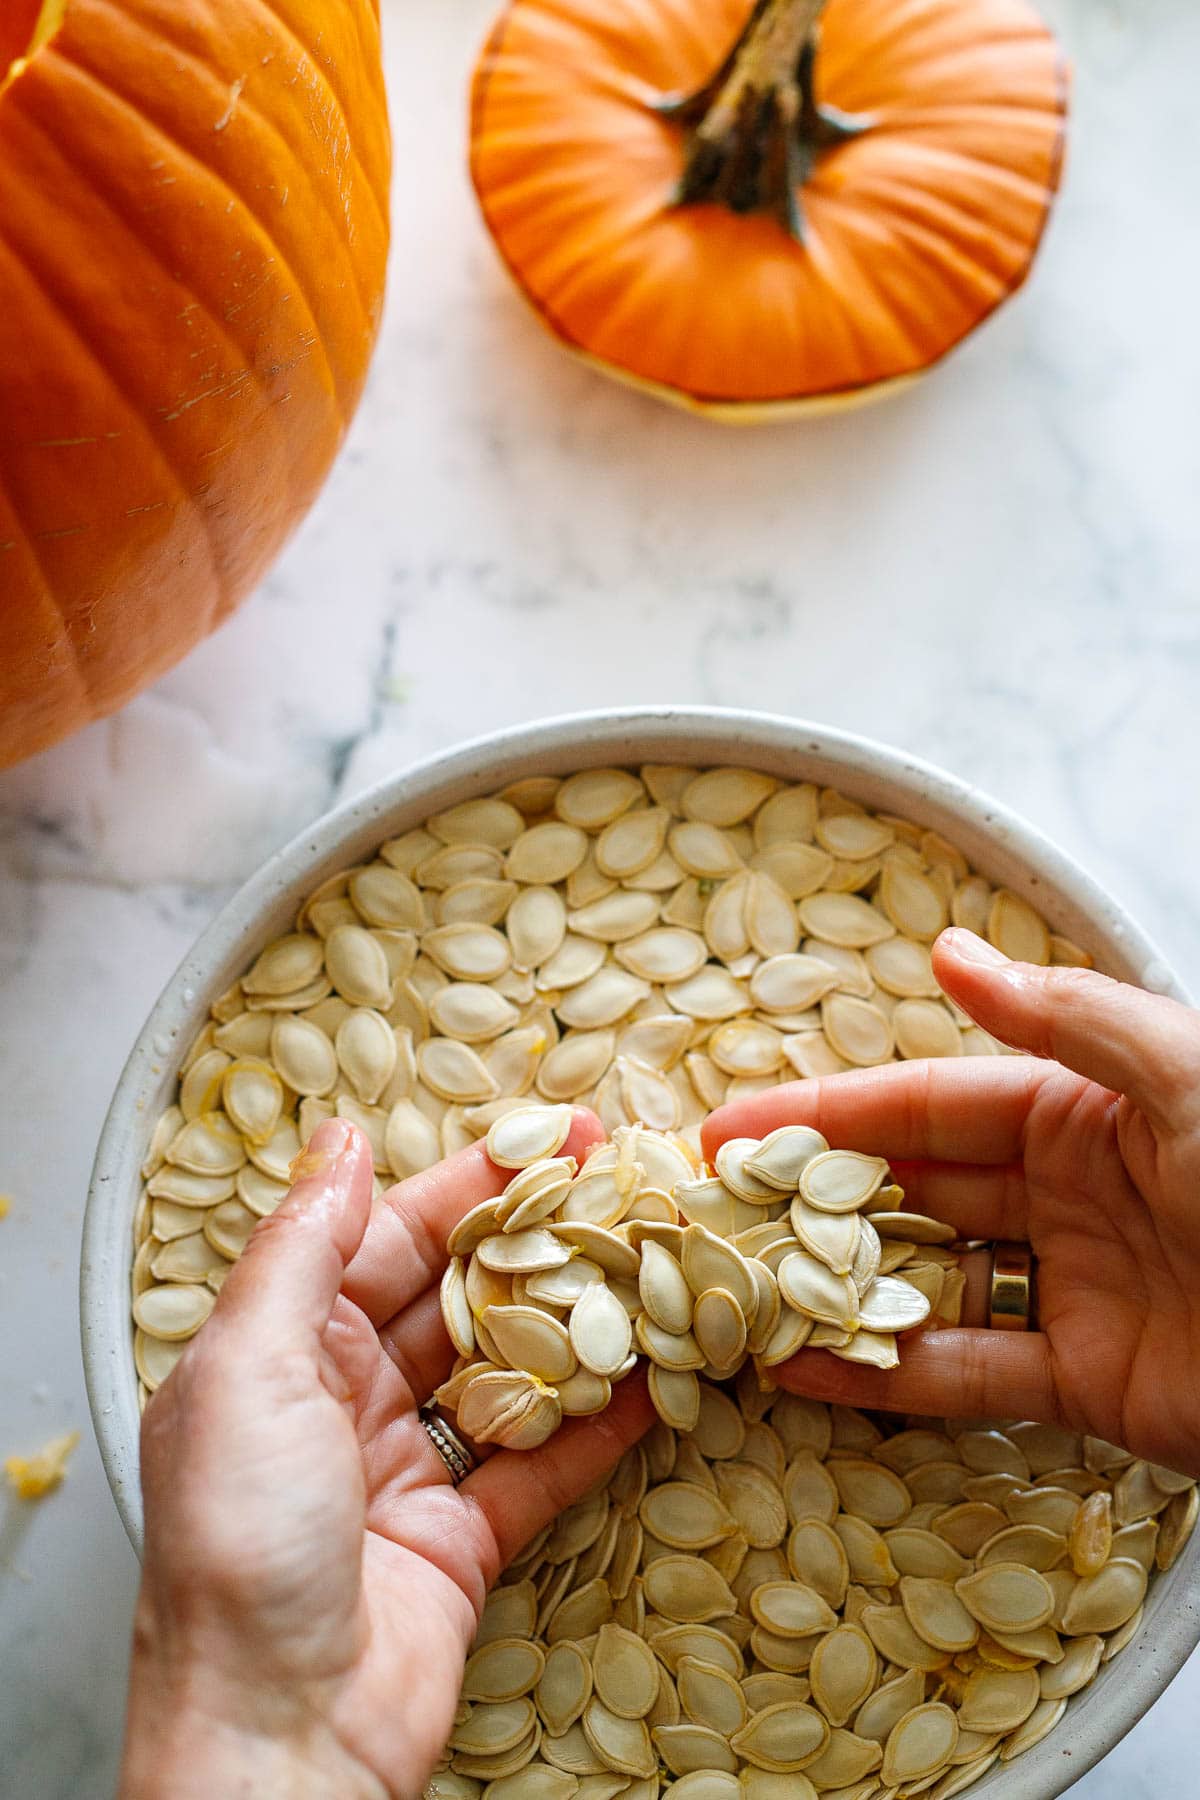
(187, 326)
(934, 144)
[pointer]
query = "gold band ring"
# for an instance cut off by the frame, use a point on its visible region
(449, 1446)
(1012, 1301)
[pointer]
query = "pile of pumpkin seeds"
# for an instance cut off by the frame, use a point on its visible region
(649, 943)
(555, 1287)
(783, 1602)
(653, 943)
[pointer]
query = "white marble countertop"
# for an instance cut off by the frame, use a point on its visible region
(995, 570)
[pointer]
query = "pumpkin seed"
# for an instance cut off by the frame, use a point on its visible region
(190, 1258)
(720, 1329)
(285, 966)
(664, 1289)
(1033, 1545)
(782, 1739)
(531, 1340)
(896, 1641)
(845, 1760)
(892, 1304)
(839, 1181)
(1104, 1601)
(914, 1228)
(1178, 1520)
(155, 1357)
(708, 1784)
(688, 1590)
(1006, 1596)
(998, 1700)
(879, 1715)
(1080, 1660)
(791, 1609)
(571, 1752)
(923, 1554)
(937, 1614)
(811, 1287)
(1016, 929)
(600, 1332)
(504, 1669)
(843, 1672)
(676, 1397)
(173, 1311)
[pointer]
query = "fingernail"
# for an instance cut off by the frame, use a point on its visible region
(972, 949)
(332, 1136)
(329, 1141)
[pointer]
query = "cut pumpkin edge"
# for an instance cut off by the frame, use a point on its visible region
(747, 412)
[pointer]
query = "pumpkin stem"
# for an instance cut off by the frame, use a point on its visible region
(757, 126)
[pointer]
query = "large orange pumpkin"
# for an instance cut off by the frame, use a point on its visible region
(753, 209)
(193, 235)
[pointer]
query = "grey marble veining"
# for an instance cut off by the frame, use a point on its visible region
(996, 570)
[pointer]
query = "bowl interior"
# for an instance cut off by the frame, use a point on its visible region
(999, 844)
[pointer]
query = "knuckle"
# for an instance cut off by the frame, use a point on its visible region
(1074, 989)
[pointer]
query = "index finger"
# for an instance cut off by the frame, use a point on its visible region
(404, 1249)
(969, 1109)
(952, 1374)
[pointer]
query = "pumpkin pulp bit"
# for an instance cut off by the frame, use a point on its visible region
(758, 127)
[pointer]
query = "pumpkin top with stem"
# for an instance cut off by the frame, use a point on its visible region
(814, 218)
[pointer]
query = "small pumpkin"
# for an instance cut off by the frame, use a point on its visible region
(193, 237)
(746, 209)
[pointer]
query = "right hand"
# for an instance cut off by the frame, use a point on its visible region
(1088, 1150)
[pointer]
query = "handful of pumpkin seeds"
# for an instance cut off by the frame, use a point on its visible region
(555, 1287)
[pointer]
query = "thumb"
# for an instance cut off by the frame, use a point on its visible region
(286, 1281)
(1132, 1042)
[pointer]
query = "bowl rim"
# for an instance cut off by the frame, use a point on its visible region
(559, 744)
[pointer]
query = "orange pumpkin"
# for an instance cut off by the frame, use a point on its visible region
(750, 210)
(193, 236)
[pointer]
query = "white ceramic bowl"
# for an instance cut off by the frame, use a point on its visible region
(998, 843)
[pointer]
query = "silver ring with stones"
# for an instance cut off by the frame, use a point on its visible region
(450, 1448)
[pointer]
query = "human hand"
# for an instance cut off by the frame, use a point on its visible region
(312, 1580)
(1088, 1150)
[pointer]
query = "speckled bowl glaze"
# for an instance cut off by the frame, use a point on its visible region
(1001, 845)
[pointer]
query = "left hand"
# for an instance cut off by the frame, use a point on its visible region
(312, 1580)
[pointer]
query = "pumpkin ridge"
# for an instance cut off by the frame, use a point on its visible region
(140, 421)
(107, 199)
(924, 245)
(49, 605)
(267, 10)
(372, 57)
(368, 324)
(947, 207)
(896, 318)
